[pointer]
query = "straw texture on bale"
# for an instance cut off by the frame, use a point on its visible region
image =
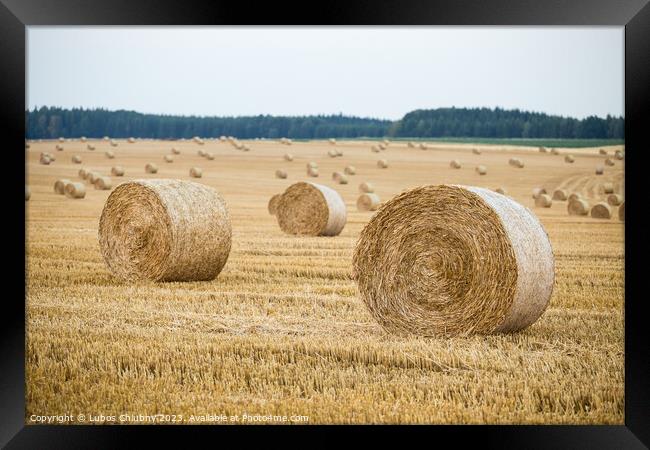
(609, 162)
(602, 151)
(311, 209)
(281, 173)
(601, 211)
(453, 260)
(569, 158)
(578, 207)
(560, 194)
(117, 171)
(76, 159)
(168, 158)
(516, 162)
(288, 157)
(368, 202)
(75, 190)
(165, 230)
(538, 191)
(600, 170)
(476, 151)
(382, 164)
(103, 183)
(175, 151)
(543, 201)
(621, 212)
(196, 172)
(481, 170)
(59, 186)
(350, 170)
(273, 204)
(312, 172)
(366, 188)
(455, 164)
(618, 154)
(607, 188)
(151, 168)
(614, 199)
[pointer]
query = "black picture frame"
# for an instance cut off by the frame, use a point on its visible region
(15, 15)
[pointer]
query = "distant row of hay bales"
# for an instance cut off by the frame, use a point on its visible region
(286, 141)
(579, 206)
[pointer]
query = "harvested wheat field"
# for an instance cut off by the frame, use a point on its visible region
(282, 329)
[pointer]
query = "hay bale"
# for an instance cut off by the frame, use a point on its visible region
(555, 151)
(516, 162)
(368, 202)
(165, 230)
(59, 148)
(209, 155)
(109, 154)
(339, 178)
(288, 157)
(117, 171)
(61, 139)
(455, 164)
(273, 204)
(410, 144)
(28, 194)
(621, 212)
(311, 209)
(281, 173)
(312, 172)
(83, 139)
(618, 154)
(201, 152)
(76, 159)
(500, 190)
(113, 143)
(601, 211)
(151, 168)
(382, 164)
(569, 159)
(131, 140)
(168, 158)
(366, 188)
(75, 190)
(83, 173)
(105, 138)
(44, 159)
(538, 191)
(602, 151)
(312, 165)
(614, 199)
(175, 151)
(350, 170)
(600, 170)
(382, 147)
(574, 196)
(454, 260)
(332, 153)
(476, 151)
(332, 141)
(578, 207)
(375, 149)
(607, 188)
(481, 170)
(59, 185)
(196, 172)
(90, 147)
(560, 194)
(543, 150)
(92, 176)
(609, 162)
(103, 183)
(339, 152)
(423, 146)
(543, 201)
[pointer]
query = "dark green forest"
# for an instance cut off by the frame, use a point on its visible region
(52, 122)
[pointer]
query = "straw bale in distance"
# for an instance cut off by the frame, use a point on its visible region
(500, 190)
(45, 159)
(332, 141)
(27, 193)
(538, 191)
(311, 209)
(339, 178)
(209, 155)
(543, 150)
(609, 162)
(382, 164)
(600, 170)
(131, 140)
(165, 230)
(481, 170)
(476, 151)
(288, 157)
(453, 260)
(569, 158)
(601, 211)
(607, 188)
(578, 207)
(61, 139)
(281, 173)
(273, 204)
(614, 199)
(103, 183)
(455, 164)
(602, 151)
(75, 190)
(410, 144)
(423, 146)
(543, 201)
(151, 168)
(201, 152)
(312, 172)
(350, 170)
(375, 149)
(196, 172)
(175, 151)
(59, 185)
(516, 162)
(76, 159)
(92, 176)
(339, 152)
(621, 212)
(312, 164)
(113, 143)
(574, 196)
(618, 154)
(560, 194)
(110, 155)
(117, 171)
(168, 158)
(90, 147)
(368, 202)
(366, 188)
(555, 151)
(332, 153)
(59, 148)
(83, 173)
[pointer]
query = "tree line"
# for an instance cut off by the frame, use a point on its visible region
(53, 122)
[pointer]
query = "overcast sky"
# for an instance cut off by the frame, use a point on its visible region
(379, 72)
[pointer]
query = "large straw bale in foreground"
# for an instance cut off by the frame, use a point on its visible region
(368, 202)
(273, 204)
(311, 209)
(165, 230)
(454, 260)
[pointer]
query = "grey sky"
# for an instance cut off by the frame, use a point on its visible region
(366, 71)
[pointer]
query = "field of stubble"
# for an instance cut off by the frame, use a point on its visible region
(281, 330)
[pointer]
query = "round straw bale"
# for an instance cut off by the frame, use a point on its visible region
(113, 143)
(312, 172)
(288, 157)
(455, 164)
(83, 173)
(560, 194)
(607, 188)
(386, 142)
(382, 147)
(75, 190)
(209, 155)
(110, 155)
(59, 185)
(83, 139)
(61, 139)
(175, 151)
(454, 260)
(481, 170)
(105, 138)
(600, 170)
(614, 199)
(350, 170)
(117, 171)
(131, 140)
(500, 190)
(90, 147)
(423, 146)
(609, 162)
(281, 173)
(27, 193)
(339, 152)
(476, 151)
(168, 158)
(51, 156)
(201, 152)
(332, 141)
(538, 191)
(569, 158)
(574, 196)
(366, 188)
(410, 144)
(311, 209)
(543, 150)
(332, 153)
(368, 202)
(92, 176)
(602, 151)
(165, 230)
(312, 165)
(375, 149)
(516, 162)
(339, 178)
(543, 201)
(196, 172)
(382, 164)
(336, 175)
(273, 204)
(76, 159)
(44, 159)
(151, 168)
(621, 212)
(578, 207)
(59, 148)
(601, 211)
(103, 183)
(555, 151)
(618, 154)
